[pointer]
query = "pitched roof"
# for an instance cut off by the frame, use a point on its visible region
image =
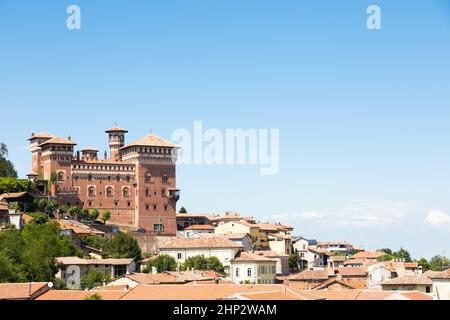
(199, 227)
(308, 275)
(351, 272)
(337, 258)
(270, 253)
(440, 275)
(58, 140)
(409, 280)
(42, 135)
(251, 257)
(77, 295)
(4, 206)
(78, 228)
(355, 262)
(89, 148)
(208, 216)
(210, 242)
(79, 261)
(22, 291)
(333, 281)
(368, 255)
(151, 141)
(159, 278)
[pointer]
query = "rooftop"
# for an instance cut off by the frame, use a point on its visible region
(151, 141)
(251, 257)
(199, 227)
(22, 291)
(309, 275)
(79, 261)
(58, 140)
(209, 242)
(410, 280)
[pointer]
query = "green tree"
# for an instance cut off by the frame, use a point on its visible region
(6, 167)
(94, 279)
(73, 211)
(122, 246)
(63, 211)
(293, 264)
(439, 263)
(197, 262)
(85, 213)
(39, 218)
(52, 206)
(106, 216)
(403, 254)
(424, 264)
(11, 185)
(93, 242)
(162, 263)
(183, 210)
(94, 214)
(214, 264)
(93, 297)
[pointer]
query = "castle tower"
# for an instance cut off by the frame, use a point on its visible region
(36, 152)
(116, 141)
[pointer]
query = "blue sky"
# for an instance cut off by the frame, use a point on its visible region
(363, 115)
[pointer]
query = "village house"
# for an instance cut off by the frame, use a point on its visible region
(253, 269)
(220, 247)
(72, 269)
(186, 220)
(441, 284)
(280, 243)
(421, 283)
(194, 229)
(232, 216)
(243, 239)
(312, 258)
(384, 271)
(282, 267)
(308, 279)
(336, 246)
(372, 256)
(243, 227)
(134, 279)
(336, 261)
(9, 217)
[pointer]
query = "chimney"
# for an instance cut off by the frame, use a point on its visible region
(69, 138)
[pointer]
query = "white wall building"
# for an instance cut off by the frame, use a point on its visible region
(72, 269)
(220, 247)
(253, 269)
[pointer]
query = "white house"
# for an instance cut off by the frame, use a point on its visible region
(243, 239)
(198, 229)
(72, 269)
(220, 247)
(313, 258)
(441, 284)
(253, 269)
(280, 243)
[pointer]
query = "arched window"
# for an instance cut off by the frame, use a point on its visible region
(109, 192)
(60, 176)
(91, 191)
(148, 178)
(126, 192)
(165, 178)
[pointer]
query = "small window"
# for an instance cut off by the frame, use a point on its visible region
(249, 272)
(159, 227)
(91, 191)
(179, 256)
(109, 192)
(126, 192)
(165, 178)
(238, 272)
(148, 178)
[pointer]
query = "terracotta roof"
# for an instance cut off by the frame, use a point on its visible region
(440, 275)
(308, 275)
(116, 129)
(210, 242)
(270, 253)
(26, 218)
(268, 227)
(338, 258)
(333, 281)
(4, 206)
(79, 261)
(78, 228)
(198, 292)
(74, 295)
(355, 262)
(200, 227)
(151, 141)
(411, 265)
(350, 272)
(251, 257)
(409, 280)
(331, 243)
(280, 236)
(58, 140)
(13, 195)
(416, 295)
(111, 288)
(279, 295)
(42, 135)
(22, 291)
(32, 174)
(208, 216)
(196, 275)
(368, 255)
(160, 278)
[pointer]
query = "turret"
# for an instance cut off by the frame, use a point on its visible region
(116, 141)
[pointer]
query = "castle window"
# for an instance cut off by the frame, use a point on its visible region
(90, 177)
(166, 207)
(148, 178)
(128, 204)
(126, 192)
(155, 207)
(109, 192)
(148, 193)
(165, 178)
(60, 176)
(147, 207)
(159, 227)
(116, 204)
(163, 193)
(91, 191)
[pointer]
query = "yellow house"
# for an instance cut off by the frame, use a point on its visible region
(241, 226)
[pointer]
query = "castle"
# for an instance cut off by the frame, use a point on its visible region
(137, 183)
